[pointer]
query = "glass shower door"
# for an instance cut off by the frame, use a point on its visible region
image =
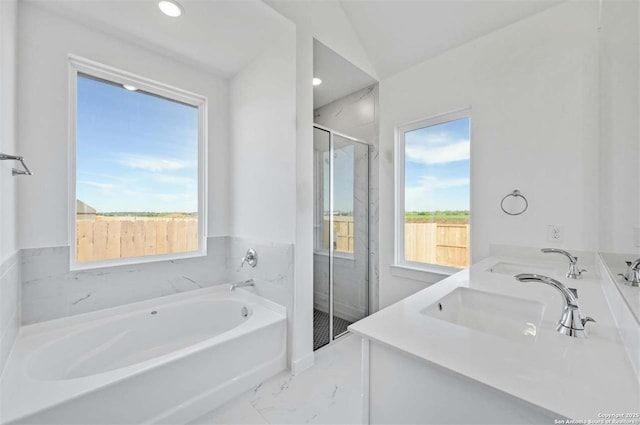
(341, 234)
(350, 231)
(322, 237)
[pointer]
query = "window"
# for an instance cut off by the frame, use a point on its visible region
(137, 169)
(433, 193)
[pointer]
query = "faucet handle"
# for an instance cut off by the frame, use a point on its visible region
(251, 258)
(587, 319)
(574, 291)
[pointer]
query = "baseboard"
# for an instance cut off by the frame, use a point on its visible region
(300, 365)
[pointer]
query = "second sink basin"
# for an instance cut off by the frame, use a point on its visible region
(513, 269)
(500, 315)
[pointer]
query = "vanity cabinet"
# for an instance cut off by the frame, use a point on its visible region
(399, 388)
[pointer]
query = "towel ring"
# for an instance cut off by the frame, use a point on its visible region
(516, 194)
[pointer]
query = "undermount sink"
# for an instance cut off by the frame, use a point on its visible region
(513, 269)
(495, 314)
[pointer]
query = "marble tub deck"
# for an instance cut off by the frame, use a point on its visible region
(327, 393)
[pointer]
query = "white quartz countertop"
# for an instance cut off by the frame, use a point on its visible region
(575, 378)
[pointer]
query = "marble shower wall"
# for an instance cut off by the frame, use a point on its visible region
(51, 291)
(357, 115)
(10, 311)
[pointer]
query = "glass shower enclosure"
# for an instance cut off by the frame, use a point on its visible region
(341, 234)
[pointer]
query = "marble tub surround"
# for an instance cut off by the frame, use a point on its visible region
(550, 371)
(10, 305)
(273, 274)
(51, 291)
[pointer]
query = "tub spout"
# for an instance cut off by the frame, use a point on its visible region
(244, 284)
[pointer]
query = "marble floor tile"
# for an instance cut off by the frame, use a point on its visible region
(327, 393)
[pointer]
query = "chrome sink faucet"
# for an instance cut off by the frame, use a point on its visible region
(574, 271)
(571, 322)
(632, 275)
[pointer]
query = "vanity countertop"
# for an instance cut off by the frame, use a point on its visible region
(575, 378)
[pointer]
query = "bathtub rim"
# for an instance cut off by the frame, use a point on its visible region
(82, 318)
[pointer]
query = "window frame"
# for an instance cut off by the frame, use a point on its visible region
(78, 65)
(399, 201)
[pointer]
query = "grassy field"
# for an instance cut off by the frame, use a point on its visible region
(149, 214)
(436, 216)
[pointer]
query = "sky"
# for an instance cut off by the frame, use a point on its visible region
(135, 152)
(343, 179)
(437, 167)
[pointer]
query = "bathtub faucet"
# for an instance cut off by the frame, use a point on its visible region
(244, 284)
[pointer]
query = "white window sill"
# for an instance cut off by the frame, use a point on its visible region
(132, 261)
(422, 274)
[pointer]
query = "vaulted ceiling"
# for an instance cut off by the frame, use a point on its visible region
(397, 34)
(388, 36)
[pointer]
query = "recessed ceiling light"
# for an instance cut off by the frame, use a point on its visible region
(317, 81)
(170, 8)
(130, 87)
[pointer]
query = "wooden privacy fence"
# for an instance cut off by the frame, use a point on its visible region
(344, 230)
(107, 238)
(446, 244)
(437, 243)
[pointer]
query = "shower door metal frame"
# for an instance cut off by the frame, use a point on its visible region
(332, 132)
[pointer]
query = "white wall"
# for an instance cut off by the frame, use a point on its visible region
(532, 87)
(263, 145)
(619, 131)
(262, 201)
(327, 22)
(45, 42)
(8, 58)
(10, 293)
(302, 344)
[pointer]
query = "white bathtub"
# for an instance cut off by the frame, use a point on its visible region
(167, 360)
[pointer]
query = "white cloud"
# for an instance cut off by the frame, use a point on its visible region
(154, 164)
(99, 185)
(433, 183)
(423, 196)
(429, 154)
(175, 180)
